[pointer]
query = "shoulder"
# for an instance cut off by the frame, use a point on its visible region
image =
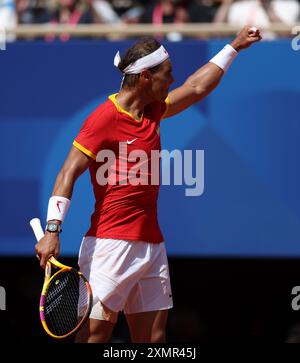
(102, 115)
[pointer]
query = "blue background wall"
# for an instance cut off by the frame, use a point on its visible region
(248, 129)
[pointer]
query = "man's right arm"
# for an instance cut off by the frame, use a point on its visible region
(75, 164)
(202, 82)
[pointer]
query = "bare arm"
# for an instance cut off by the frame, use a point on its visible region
(75, 164)
(206, 79)
(194, 89)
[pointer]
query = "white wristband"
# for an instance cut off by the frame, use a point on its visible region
(225, 57)
(57, 208)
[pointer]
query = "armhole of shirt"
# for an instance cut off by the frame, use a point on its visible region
(84, 150)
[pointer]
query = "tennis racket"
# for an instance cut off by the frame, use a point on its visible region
(66, 297)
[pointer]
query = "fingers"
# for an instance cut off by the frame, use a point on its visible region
(256, 38)
(246, 37)
(42, 257)
(254, 33)
(48, 246)
(57, 250)
(43, 261)
(37, 254)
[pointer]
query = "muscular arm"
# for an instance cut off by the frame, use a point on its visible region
(206, 79)
(75, 164)
(194, 89)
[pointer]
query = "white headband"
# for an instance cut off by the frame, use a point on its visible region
(149, 61)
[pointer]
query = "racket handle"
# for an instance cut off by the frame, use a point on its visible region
(37, 228)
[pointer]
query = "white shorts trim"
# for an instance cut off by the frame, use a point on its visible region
(126, 275)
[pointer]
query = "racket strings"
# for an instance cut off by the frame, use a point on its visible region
(66, 302)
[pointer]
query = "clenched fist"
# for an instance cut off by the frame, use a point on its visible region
(246, 37)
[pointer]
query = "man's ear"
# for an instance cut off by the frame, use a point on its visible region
(145, 75)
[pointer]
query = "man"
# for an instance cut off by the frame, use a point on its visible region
(123, 253)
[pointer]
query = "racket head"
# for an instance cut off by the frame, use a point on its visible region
(65, 303)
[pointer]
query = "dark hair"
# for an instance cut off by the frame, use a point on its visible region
(143, 47)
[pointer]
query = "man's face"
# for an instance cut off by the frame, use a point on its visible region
(161, 81)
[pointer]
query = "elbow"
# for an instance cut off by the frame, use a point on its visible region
(201, 92)
(202, 89)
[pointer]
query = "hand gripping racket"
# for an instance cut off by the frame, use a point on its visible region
(66, 297)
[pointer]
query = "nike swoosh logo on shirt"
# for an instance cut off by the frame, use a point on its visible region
(130, 142)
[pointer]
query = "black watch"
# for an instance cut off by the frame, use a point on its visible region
(53, 228)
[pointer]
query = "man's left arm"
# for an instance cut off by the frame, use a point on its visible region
(206, 79)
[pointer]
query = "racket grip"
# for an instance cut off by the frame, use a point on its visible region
(37, 228)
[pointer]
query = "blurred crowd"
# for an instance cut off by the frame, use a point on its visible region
(260, 13)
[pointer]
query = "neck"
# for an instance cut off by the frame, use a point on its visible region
(132, 101)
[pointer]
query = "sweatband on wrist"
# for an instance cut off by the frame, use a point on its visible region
(57, 208)
(225, 57)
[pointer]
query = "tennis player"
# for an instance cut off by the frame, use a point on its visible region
(123, 254)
